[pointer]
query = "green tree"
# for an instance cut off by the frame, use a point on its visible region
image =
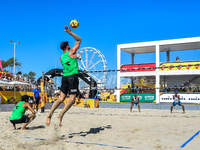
(4, 64)
(25, 75)
(9, 64)
(31, 75)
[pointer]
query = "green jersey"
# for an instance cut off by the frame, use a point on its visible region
(18, 111)
(69, 64)
(129, 90)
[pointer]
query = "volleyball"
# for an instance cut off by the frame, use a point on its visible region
(74, 24)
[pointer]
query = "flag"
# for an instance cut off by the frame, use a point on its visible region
(1, 65)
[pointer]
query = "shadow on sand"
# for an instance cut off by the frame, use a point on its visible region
(91, 131)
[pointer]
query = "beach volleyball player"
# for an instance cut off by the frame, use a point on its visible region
(70, 80)
(176, 101)
(18, 115)
(135, 101)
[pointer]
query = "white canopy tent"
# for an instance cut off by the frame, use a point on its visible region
(3, 83)
(13, 84)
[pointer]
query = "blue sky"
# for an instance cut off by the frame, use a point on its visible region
(38, 25)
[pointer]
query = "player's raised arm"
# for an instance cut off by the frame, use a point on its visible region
(76, 37)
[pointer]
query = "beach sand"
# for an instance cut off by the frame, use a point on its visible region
(149, 130)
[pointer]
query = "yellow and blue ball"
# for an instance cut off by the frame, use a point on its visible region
(74, 24)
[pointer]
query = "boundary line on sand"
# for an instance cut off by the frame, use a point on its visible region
(190, 139)
(84, 143)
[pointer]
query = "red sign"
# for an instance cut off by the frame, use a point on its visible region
(138, 67)
(188, 66)
(179, 67)
(197, 66)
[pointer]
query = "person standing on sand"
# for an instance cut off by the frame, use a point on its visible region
(176, 101)
(18, 116)
(135, 100)
(70, 80)
(36, 97)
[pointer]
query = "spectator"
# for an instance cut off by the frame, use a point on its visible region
(9, 79)
(115, 94)
(36, 97)
(182, 89)
(140, 90)
(175, 89)
(51, 82)
(189, 90)
(5, 78)
(177, 59)
(137, 89)
(195, 90)
(128, 90)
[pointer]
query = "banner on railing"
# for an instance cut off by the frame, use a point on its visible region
(185, 98)
(143, 97)
(137, 67)
(180, 66)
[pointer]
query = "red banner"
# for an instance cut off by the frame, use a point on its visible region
(138, 67)
(5, 73)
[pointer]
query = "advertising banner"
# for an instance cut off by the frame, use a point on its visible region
(143, 97)
(7, 107)
(180, 66)
(137, 67)
(185, 98)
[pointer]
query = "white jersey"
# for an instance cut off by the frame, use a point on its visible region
(115, 93)
(135, 100)
(176, 99)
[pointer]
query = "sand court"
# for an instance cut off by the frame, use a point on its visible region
(105, 128)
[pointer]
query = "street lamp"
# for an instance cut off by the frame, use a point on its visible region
(14, 54)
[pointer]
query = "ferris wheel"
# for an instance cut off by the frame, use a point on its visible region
(92, 59)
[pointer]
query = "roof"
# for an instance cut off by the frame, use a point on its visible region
(165, 45)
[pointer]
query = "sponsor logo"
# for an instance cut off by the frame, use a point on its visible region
(126, 97)
(49, 76)
(73, 90)
(149, 97)
(88, 78)
(187, 98)
(93, 88)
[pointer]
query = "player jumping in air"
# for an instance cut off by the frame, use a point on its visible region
(70, 80)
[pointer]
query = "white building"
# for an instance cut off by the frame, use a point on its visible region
(188, 70)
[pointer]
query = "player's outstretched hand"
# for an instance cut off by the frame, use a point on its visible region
(67, 29)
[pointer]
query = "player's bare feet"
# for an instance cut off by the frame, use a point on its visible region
(23, 128)
(60, 120)
(14, 128)
(48, 120)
